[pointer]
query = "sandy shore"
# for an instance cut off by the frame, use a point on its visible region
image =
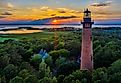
(22, 31)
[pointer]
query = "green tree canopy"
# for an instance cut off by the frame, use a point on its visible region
(17, 80)
(100, 75)
(31, 79)
(115, 78)
(44, 70)
(24, 73)
(115, 67)
(10, 71)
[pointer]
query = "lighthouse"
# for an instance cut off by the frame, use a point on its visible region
(87, 47)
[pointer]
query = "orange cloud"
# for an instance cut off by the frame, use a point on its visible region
(34, 13)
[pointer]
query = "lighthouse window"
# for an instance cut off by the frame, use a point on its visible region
(91, 57)
(91, 38)
(87, 25)
(87, 15)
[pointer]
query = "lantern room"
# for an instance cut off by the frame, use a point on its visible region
(87, 23)
(87, 14)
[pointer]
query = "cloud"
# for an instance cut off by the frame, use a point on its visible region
(77, 12)
(44, 8)
(59, 17)
(53, 14)
(65, 10)
(102, 4)
(6, 13)
(2, 17)
(62, 10)
(9, 5)
(34, 9)
(103, 13)
(6, 6)
(64, 17)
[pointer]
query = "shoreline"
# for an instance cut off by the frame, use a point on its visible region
(28, 30)
(22, 31)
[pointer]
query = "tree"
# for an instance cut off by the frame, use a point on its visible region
(36, 60)
(63, 53)
(46, 80)
(49, 61)
(68, 79)
(100, 75)
(78, 74)
(84, 80)
(60, 61)
(82, 76)
(60, 45)
(31, 79)
(3, 79)
(60, 78)
(47, 45)
(15, 59)
(59, 53)
(44, 70)
(17, 80)
(10, 71)
(106, 55)
(115, 67)
(54, 80)
(115, 78)
(67, 68)
(73, 46)
(28, 53)
(4, 61)
(25, 65)
(24, 73)
(54, 54)
(77, 81)
(96, 43)
(0, 79)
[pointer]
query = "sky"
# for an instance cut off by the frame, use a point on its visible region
(16, 10)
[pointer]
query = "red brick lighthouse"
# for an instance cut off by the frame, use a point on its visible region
(87, 51)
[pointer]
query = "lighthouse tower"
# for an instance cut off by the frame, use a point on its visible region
(87, 51)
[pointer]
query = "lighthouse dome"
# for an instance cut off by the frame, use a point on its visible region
(87, 11)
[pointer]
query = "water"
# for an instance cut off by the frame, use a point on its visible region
(51, 26)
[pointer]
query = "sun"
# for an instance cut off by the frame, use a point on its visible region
(54, 21)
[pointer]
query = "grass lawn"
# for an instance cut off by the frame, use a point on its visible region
(39, 35)
(3, 39)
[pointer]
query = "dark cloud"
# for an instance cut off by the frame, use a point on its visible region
(64, 17)
(53, 14)
(6, 13)
(62, 11)
(103, 4)
(2, 17)
(59, 17)
(69, 11)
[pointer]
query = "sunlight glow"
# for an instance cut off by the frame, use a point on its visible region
(54, 21)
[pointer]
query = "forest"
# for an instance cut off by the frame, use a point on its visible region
(32, 58)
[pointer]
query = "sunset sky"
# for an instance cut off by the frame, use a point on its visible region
(14, 10)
